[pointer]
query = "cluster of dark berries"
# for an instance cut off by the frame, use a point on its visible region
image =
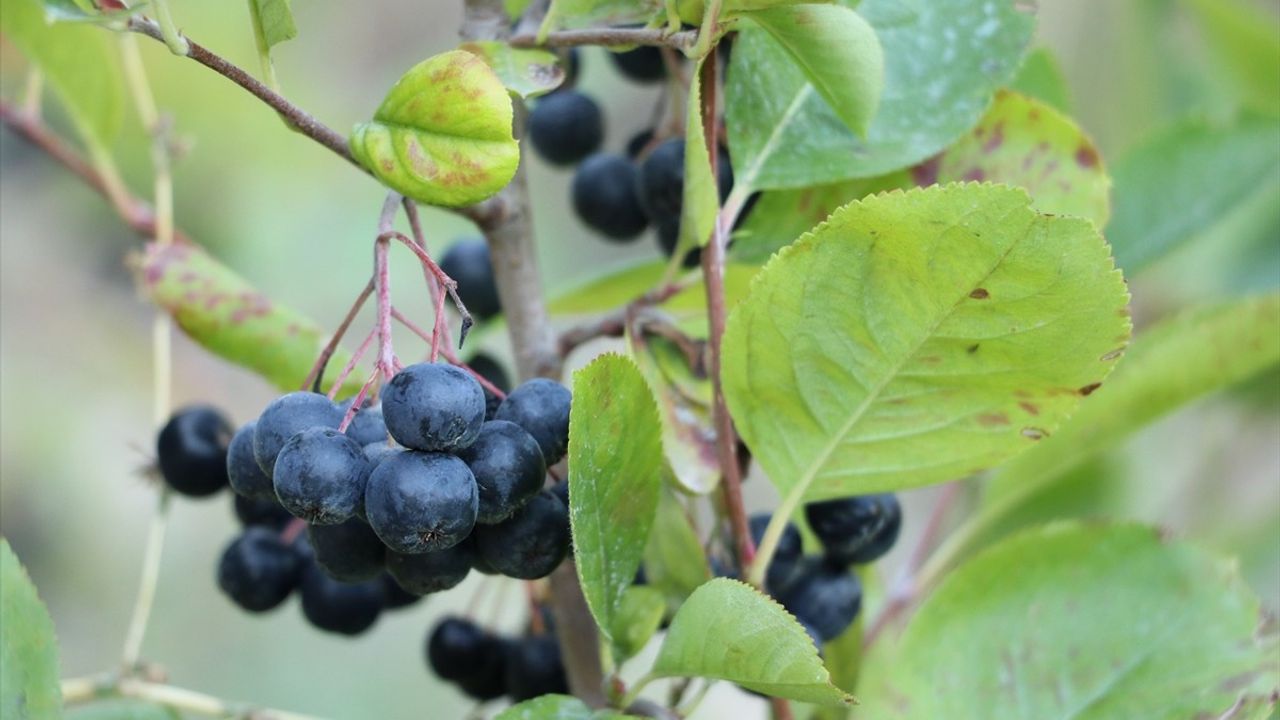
(618, 195)
(416, 491)
(487, 666)
(820, 590)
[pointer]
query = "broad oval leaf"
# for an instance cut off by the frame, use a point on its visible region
(28, 649)
(227, 316)
(1185, 180)
(272, 22)
(728, 630)
(615, 474)
(919, 337)
(555, 707)
(526, 72)
(838, 52)
(943, 60)
(443, 134)
(80, 64)
(1079, 621)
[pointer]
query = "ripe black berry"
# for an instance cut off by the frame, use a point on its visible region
(246, 478)
(605, 196)
(395, 597)
(192, 451)
(367, 425)
(565, 127)
(267, 513)
(644, 64)
(349, 552)
(286, 416)
(787, 556)
(467, 262)
(430, 572)
(531, 543)
(321, 476)
(856, 530)
(433, 407)
(508, 468)
(257, 570)
(661, 188)
(421, 502)
(458, 648)
(824, 596)
(534, 668)
(541, 407)
(379, 451)
(337, 607)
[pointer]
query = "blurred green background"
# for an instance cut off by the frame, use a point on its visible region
(75, 424)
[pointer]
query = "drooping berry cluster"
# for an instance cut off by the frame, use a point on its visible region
(487, 666)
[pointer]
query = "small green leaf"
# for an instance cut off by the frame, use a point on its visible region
(701, 202)
(636, 620)
(526, 72)
(79, 62)
(684, 405)
(272, 21)
(727, 630)
(443, 134)
(674, 561)
(569, 14)
(1185, 180)
(1041, 78)
(555, 707)
(1078, 621)
(838, 52)
(615, 483)
(920, 337)
(28, 649)
(122, 709)
(224, 313)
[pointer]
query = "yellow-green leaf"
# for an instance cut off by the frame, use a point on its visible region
(28, 649)
(701, 202)
(272, 21)
(526, 72)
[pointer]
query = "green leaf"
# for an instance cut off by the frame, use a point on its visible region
(636, 620)
(1078, 621)
(555, 707)
(122, 709)
(28, 649)
(615, 484)
(1246, 37)
(684, 406)
(1183, 181)
(610, 290)
(1020, 142)
(79, 63)
(838, 52)
(525, 72)
(1041, 78)
(701, 202)
(919, 337)
(728, 630)
(943, 60)
(674, 561)
(443, 134)
(570, 14)
(272, 21)
(224, 313)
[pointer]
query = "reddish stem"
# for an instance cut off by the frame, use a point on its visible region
(387, 361)
(358, 401)
(536, 626)
(448, 352)
(292, 530)
(351, 364)
(315, 378)
(442, 278)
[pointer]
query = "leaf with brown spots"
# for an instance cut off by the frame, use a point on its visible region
(224, 313)
(443, 134)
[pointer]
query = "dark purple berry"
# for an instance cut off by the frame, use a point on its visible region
(349, 551)
(287, 416)
(337, 607)
(421, 502)
(320, 476)
(565, 127)
(531, 543)
(467, 262)
(257, 570)
(192, 451)
(856, 530)
(246, 478)
(508, 468)
(541, 407)
(433, 407)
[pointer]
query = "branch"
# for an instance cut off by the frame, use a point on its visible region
(609, 37)
(86, 689)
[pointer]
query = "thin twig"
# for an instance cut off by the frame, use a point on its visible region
(81, 690)
(609, 37)
(350, 367)
(614, 323)
(448, 353)
(315, 378)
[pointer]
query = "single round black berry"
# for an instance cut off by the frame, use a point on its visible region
(257, 570)
(367, 425)
(531, 543)
(246, 478)
(421, 502)
(433, 407)
(467, 262)
(337, 607)
(534, 668)
(856, 530)
(321, 476)
(661, 186)
(268, 513)
(192, 451)
(430, 572)
(349, 552)
(644, 64)
(541, 407)
(787, 556)
(824, 596)
(508, 468)
(565, 127)
(395, 597)
(458, 648)
(605, 196)
(287, 416)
